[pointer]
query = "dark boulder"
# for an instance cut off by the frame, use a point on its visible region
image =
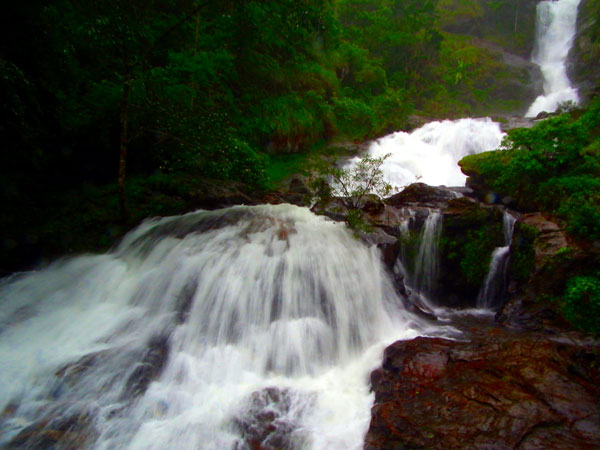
(543, 259)
(265, 423)
(471, 231)
(148, 368)
(500, 390)
(423, 195)
(69, 432)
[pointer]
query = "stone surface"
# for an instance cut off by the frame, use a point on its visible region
(265, 421)
(499, 390)
(584, 57)
(555, 258)
(423, 195)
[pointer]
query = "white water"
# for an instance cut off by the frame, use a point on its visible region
(431, 153)
(494, 285)
(427, 265)
(244, 298)
(555, 31)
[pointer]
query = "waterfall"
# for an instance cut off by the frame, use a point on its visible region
(214, 330)
(427, 265)
(555, 31)
(431, 153)
(493, 290)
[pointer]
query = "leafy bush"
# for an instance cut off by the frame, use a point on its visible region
(522, 252)
(581, 303)
(553, 166)
(353, 185)
(354, 118)
(477, 254)
(582, 213)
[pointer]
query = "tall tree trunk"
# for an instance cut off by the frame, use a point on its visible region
(123, 147)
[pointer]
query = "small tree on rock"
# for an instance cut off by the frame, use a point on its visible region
(351, 186)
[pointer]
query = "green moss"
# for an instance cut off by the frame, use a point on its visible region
(470, 235)
(581, 303)
(522, 252)
(477, 253)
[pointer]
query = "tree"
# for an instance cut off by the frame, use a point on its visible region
(352, 186)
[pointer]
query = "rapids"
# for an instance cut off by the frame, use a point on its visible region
(195, 327)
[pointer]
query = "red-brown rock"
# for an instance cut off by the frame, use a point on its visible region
(501, 390)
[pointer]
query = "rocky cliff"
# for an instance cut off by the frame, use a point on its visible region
(584, 68)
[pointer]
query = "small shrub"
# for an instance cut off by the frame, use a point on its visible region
(522, 252)
(581, 305)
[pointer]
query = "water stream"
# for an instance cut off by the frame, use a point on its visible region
(240, 327)
(197, 328)
(493, 291)
(431, 153)
(555, 31)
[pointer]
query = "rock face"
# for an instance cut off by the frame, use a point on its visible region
(543, 260)
(584, 58)
(500, 390)
(470, 232)
(265, 423)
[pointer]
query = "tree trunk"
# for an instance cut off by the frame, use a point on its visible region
(123, 148)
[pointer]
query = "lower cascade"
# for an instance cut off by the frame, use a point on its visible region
(217, 330)
(494, 288)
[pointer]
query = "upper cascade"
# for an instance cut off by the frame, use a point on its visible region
(430, 154)
(555, 32)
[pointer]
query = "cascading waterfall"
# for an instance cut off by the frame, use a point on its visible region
(555, 31)
(197, 330)
(494, 286)
(427, 264)
(431, 153)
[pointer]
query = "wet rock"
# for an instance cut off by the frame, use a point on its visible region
(423, 195)
(269, 421)
(372, 205)
(298, 185)
(149, 368)
(334, 209)
(70, 432)
(500, 390)
(584, 57)
(471, 231)
(184, 301)
(550, 240)
(543, 259)
(213, 194)
(379, 238)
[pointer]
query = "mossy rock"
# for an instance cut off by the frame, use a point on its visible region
(471, 233)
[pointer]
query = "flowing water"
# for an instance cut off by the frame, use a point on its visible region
(431, 153)
(555, 32)
(239, 327)
(427, 265)
(494, 287)
(203, 331)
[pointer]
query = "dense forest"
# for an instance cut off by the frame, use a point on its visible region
(108, 106)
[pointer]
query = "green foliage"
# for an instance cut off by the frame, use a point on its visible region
(553, 166)
(581, 303)
(357, 222)
(471, 251)
(355, 118)
(522, 252)
(477, 254)
(353, 185)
